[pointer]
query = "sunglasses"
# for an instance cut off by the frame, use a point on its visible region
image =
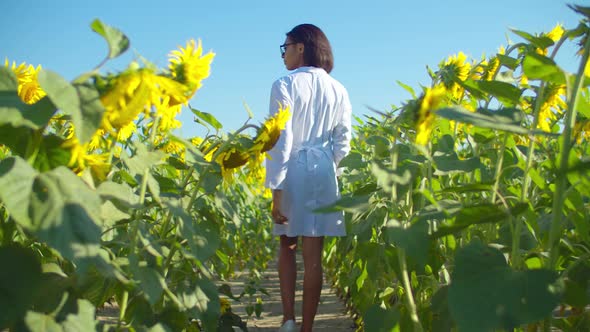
(284, 48)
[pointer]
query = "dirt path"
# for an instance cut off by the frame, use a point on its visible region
(331, 312)
(331, 316)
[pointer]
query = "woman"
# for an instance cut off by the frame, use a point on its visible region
(302, 170)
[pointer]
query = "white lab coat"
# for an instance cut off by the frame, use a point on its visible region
(305, 158)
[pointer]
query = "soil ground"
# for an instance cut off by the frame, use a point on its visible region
(331, 316)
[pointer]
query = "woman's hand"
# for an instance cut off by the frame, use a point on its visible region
(276, 213)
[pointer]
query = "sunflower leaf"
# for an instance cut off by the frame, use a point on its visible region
(118, 42)
(536, 66)
(208, 118)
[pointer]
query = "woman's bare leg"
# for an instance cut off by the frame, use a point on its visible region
(312, 279)
(287, 275)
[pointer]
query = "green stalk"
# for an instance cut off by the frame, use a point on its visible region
(417, 326)
(401, 254)
(164, 229)
(498, 173)
(123, 307)
(134, 222)
(536, 111)
(559, 197)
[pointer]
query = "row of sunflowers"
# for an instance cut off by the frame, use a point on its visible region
(468, 205)
(100, 202)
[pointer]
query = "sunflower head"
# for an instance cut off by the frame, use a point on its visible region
(455, 69)
(431, 100)
(28, 89)
(189, 66)
(556, 33)
(270, 131)
(127, 97)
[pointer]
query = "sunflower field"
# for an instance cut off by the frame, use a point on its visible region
(467, 206)
(99, 201)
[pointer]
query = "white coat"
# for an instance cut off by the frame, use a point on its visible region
(304, 161)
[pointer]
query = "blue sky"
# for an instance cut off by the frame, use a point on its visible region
(375, 43)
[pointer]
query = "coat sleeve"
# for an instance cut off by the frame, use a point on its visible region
(342, 132)
(276, 165)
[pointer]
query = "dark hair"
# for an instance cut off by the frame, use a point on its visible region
(317, 51)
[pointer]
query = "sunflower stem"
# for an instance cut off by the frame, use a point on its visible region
(566, 145)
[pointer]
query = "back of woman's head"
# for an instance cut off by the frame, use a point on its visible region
(317, 51)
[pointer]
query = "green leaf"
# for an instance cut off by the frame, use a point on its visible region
(201, 294)
(380, 145)
(91, 110)
(505, 92)
(64, 211)
(159, 328)
(120, 192)
(19, 281)
(585, 11)
(203, 238)
(486, 119)
(508, 61)
(474, 187)
(346, 203)
(83, 320)
(142, 160)
(414, 239)
(353, 160)
(578, 174)
(15, 112)
(583, 105)
(152, 283)
(111, 214)
(208, 118)
(540, 42)
(37, 322)
(407, 88)
(16, 183)
(539, 67)
(208, 303)
(8, 81)
(486, 294)
(478, 214)
(387, 178)
(450, 163)
(117, 41)
(441, 317)
(51, 154)
(81, 102)
(378, 319)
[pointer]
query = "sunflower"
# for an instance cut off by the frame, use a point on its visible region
(167, 114)
(430, 101)
(28, 89)
(129, 97)
(256, 174)
(552, 105)
(270, 131)
(126, 131)
(80, 158)
(97, 140)
(189, 67)
(175, 148)
(225, 305)
(556, 33)
(582, 131)
(455, 69)
(4, 151)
